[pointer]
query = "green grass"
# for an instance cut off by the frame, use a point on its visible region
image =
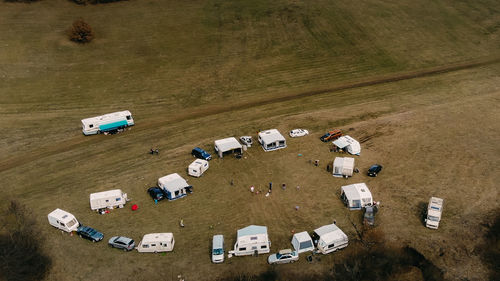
(192, 72)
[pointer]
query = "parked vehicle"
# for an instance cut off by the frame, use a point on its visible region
(283, 256)
(218, 249)
(329, 238)
(374, 170)
(107, 122)
(246, 140)
(121, 242)
(369, 215)
(157, 193)
(197, 168)
(63, 220)
(434, 211)
(108, 199)
(201, 154)
(331, 135)
(89, 233)
(251, 240)
(156, 242)
(298, 133)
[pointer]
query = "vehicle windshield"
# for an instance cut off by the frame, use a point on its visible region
(218, 252)
(433, 218)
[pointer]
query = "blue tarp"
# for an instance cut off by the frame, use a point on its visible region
(112, 126)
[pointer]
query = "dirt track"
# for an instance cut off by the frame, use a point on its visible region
(77, 141)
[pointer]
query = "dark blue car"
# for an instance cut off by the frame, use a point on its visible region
(89, 233)
(201, 154)
(374, 170)
(157, 193)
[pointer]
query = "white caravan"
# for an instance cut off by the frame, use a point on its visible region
(63, 220)
(434, 211)
(107, 199)
(329, 238)
(356, 196)
(302, 242)
(156, 242)
(107, 122)
(175, 186)
(349, 144)
(271, 140)
(343, 166)
(228, 146)
(251, 240)
(198, 167)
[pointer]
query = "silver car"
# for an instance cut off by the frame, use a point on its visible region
(283, 256)
(120, 242)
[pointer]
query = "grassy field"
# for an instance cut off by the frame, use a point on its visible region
(192, 72)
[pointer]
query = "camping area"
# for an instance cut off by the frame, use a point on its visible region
(416, 82)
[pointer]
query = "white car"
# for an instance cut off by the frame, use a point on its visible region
(298, 133)
(283, 256)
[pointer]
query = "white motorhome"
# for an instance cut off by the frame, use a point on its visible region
(343, 167)
(329, 238)
(198, 167)
(348, 144)
(156, 242)
(107, 199)
(228, 146)
(356, 196)
(174, 186)
(271, 140)
(251, 240)
(107, 122)
(434, 211)
(302, 242)
(63, 220)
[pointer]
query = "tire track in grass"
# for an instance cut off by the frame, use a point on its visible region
(193, 113)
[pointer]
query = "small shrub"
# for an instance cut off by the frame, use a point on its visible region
(81, 32)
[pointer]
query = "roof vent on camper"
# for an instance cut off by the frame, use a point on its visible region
(65, 216)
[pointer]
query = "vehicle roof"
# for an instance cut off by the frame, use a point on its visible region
(173, 182)
(252, 230)
(157, 237)
(198, 162)
(106, 194)
(356, 191)
(285, 251)
(343, 162)
(271, 135)
(218, 241)
(302, 236)
(105, 117)
(329, 233)
(62, 215)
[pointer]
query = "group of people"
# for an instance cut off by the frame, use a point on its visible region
(270, 190)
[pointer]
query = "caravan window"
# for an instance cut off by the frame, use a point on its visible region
(282, 143)
(145, 245)
(153, 245)
(331, 246)
(253, 238)
(242, 249)
(118, 199)
(91, 126)
(128, 117)
(263, 247)
(177, 193)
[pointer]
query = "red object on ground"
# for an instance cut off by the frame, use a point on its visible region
(134, 207)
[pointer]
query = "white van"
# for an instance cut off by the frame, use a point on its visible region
(63, 220)
(156, 242)
(218, 249)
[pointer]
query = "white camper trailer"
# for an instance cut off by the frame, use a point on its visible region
(434, 211)
(156, 242)
(107, 199)
(198, 167)
(175, 186)
(356, 196)
(228, 146)
(302, 242)
(63, 220)
(343, 166)
(271, 140)
(251, 240)
(329, 238)
(348, 144)
(107, 122)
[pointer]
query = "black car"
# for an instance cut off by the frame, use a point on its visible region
(89, 233)
(201, 154)
(374, 170)
(157, 193)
